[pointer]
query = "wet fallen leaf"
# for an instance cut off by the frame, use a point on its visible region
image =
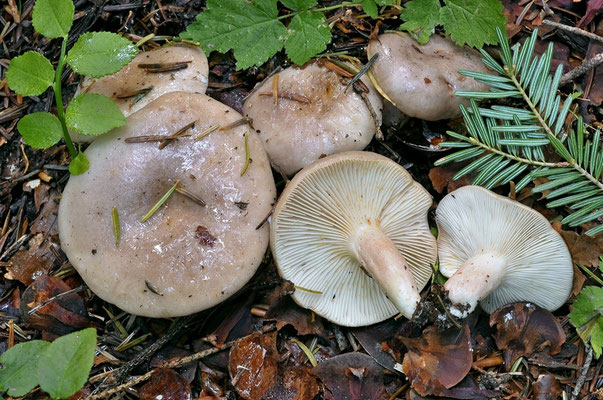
(56, 318)
(524, 329)
(371, 338)
(592, 9)
(171, 353)
(465, 390)
(239, 312)
(595, 94)
(441, 178)
(585, 250)
(437, 360)
(579, 280)
(166, 384)
(546, 388)
(46, 221)
(351, 376)
(26, 265)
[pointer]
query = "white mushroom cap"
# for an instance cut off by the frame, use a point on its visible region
(325, 119)
(348, 216)
(186, 257)
(422, 79)
(124, 87)
(498, 251)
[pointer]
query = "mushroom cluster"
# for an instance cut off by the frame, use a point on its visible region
(202, 244)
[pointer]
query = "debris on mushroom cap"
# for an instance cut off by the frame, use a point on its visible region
(186, 257)
(348, 216)
(422, 79)
(133, 87)
(313, 115)
(498, 251)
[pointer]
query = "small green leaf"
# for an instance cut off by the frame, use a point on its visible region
(40, 129)
(299, 5)
(98, 54)
(421, 17)
(18, 375)
(79, 164)
(30, 74)
(64, 366)
(370, 7)
(250, 28)
(309, 35)
(473, 22)
(53, 18)
(587, 317)
(93, 114)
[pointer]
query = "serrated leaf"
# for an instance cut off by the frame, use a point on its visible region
(40, 130)
(79, 164)
(473, 22)
(65, 364)
(299, 5)
(370, 7)
(587, 317)
(53, 18)
(30, 74)
(251, 29)
(93, 114)
(98, 54)
(421, 17)
(19, 373)
(309, 34)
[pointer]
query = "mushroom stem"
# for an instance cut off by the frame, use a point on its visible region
(473, 281)
(382, 260)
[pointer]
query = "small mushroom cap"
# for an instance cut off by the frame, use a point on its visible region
(473, 221)
(422, 79)
(186, 257)
(325, 119)
(123, 86)
(322, 208)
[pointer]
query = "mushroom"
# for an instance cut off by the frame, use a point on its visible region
(166, 69)
(202, 244)
(498, 251)
(422, 79)
(350, 231)
(308, 113)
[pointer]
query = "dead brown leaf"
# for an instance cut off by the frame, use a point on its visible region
(524, 329)
(26, 265)
(46, 221)
(579, 280)
(166, 384)
(441, 178)
(585, 250)
(437, 360)
(547, 388)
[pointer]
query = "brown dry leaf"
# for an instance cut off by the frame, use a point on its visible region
(579, 280)
(523, 329)
(468, 388)
(371, 338)
(595, 94)
(547, 388)
(63, 315)
(166, 384)
(437, 360)
(351, 376)
(441, 178)
(46, 221)
(26, 265)
(585, 250)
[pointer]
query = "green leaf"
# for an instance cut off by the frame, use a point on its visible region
(421, 17)
(40, 130)
(473, 22)
(370, 7)
(18, 376)
(79, 164)
(299, 5)
(587, 317)
(93, 114)
(30, 74)
(98, 54)
(251, 29)
(64, 366)
(309, 35)
(53, 18)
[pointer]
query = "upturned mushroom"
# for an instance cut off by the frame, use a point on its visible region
(302, 114)
(497, 251)
(191, 251)
(350, 231)
(150, 75)
(421, 79)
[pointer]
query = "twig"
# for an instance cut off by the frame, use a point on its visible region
(573, 29)
(582, 69)
(58, 296)
(585, 367)
(15, 246)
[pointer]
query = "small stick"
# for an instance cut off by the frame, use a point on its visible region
(573, 29)
(58, 296)
(275, 89)
(582, 69)
(265, 218)
(156, 68)
(363, 70)
(585, 367)
(288, 96)
(191, 196)
(237, 123)
(339, 68)
(176, 135)
(378, 134)
(163, 199)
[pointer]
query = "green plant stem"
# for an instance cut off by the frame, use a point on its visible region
(572, 163)
(476, 142)
(58, 95)
(323, 9)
